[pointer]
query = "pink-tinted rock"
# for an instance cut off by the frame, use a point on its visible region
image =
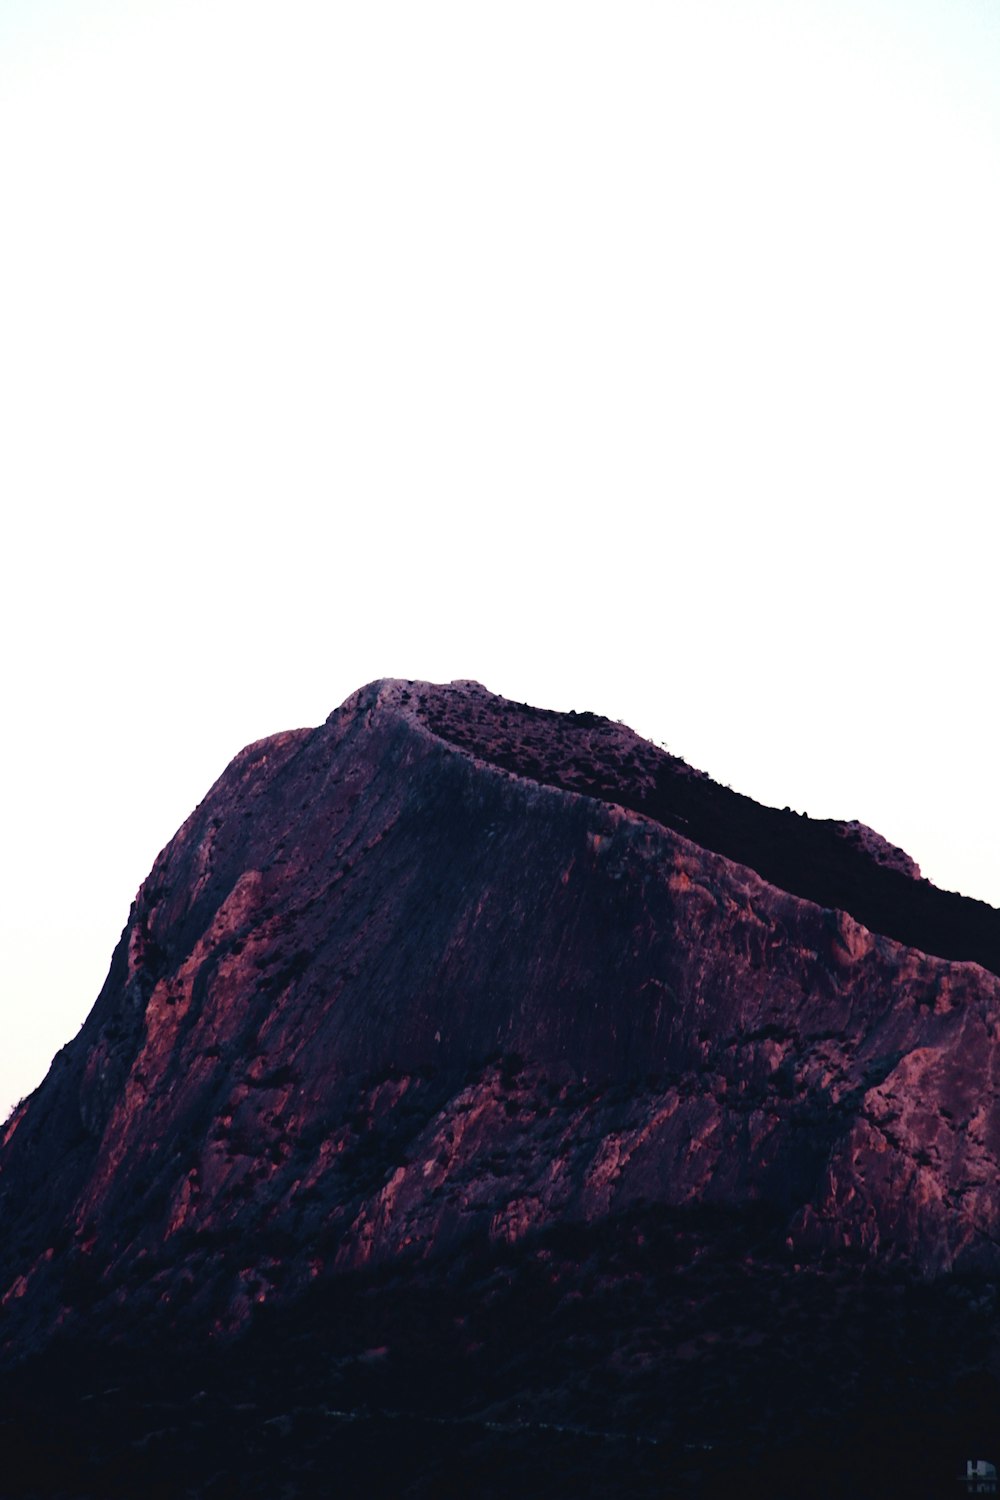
(448, 970)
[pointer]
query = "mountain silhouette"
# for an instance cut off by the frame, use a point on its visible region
(483, 1101)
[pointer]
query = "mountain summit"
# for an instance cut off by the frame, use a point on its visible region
(453, 1006)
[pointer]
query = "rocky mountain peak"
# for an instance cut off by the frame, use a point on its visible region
(448, 976)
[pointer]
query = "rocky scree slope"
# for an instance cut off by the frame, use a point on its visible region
(451, 972)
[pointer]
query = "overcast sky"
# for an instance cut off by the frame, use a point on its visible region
(639, 357)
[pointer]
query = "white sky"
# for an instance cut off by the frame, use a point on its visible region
(640, 357)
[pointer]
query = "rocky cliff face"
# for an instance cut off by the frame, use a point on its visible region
(448, 974)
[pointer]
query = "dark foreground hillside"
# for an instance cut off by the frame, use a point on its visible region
(666, 1353)
(663, 1354)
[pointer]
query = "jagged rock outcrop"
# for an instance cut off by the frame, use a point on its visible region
(450, 970)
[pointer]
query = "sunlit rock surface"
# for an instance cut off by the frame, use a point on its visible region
(450, 973)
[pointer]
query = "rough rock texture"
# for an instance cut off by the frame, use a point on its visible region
(878, 849)
(449, 973)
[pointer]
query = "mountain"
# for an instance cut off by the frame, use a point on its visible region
(484, 1084)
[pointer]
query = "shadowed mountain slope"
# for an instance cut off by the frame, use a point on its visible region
(835, 864)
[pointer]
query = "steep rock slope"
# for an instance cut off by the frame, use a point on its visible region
(446, 971)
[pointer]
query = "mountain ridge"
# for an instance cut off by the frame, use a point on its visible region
(386, 1004)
